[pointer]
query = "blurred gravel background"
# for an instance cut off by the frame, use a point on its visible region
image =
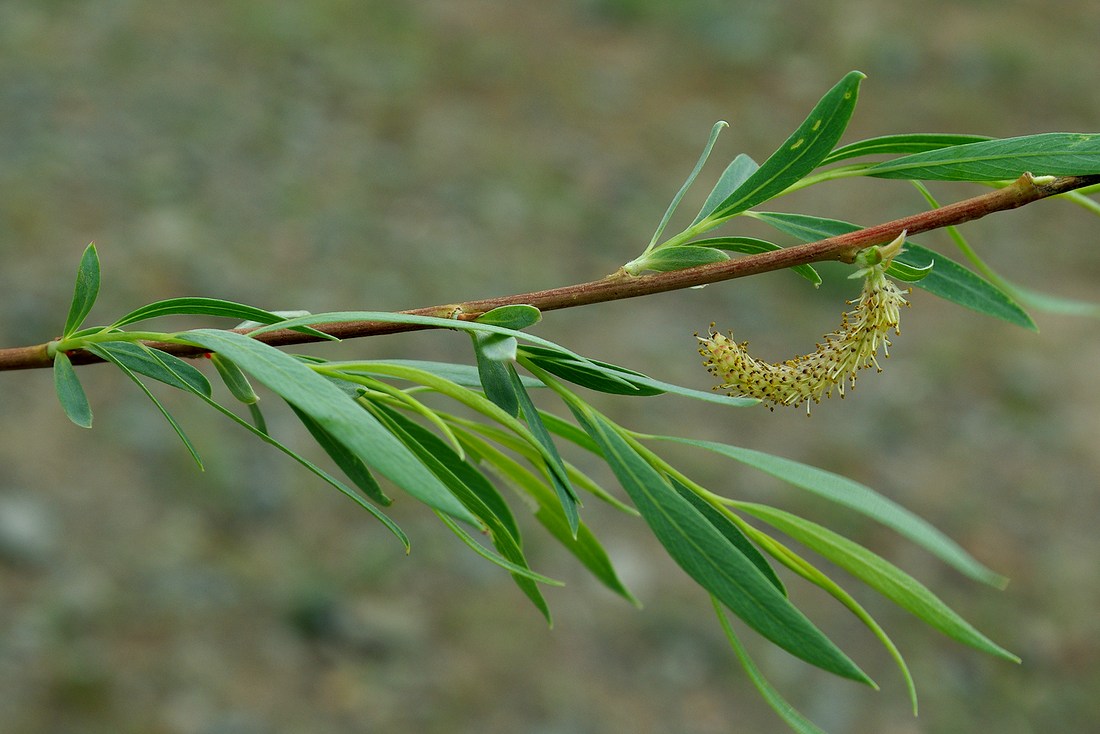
(383, 154)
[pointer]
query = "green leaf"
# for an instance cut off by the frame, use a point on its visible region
(487, 503)
(717, 128)
(145, 360)
(337, 413)
(584, 547)
(350, 463)
(1053, 154)
(477, 494)
(948, 279)
(955, 283)
(879, 574)
(485, 553)
(731, 532)
(613, 379)
(791, 717)
(69, 392)
(678, 257)
(710, 559)
(316, 470)
(196, 306)
(900, 144)
(855, 496)
(235, 380)
(802, 152)
(516, 316)
(493, 353)
(593, 374)
(559, 477)
(752, 246)
(85, 292)
(104, 351)
(736, 173)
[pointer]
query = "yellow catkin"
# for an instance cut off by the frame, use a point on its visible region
(810, 377)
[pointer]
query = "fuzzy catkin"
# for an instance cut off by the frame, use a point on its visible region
(811, 377)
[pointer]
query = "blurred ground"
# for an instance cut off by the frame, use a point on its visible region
(335, 154)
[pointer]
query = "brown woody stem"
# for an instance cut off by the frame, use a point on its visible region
(621, 285)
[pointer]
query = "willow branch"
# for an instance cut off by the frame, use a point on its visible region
(621, 285)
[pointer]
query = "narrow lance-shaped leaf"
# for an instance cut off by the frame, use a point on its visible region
(859, 497)
(879, 574)
(352, 426)
(791, 717)
(352, 466)
(559, 477)
(85, 292)
(947, 279)
(710, 559)
(903, 144)
(736, 173)
(316, 470)
(717, 128)
(145, 360)
(731, 532)
(802, 152)
(1054, 154)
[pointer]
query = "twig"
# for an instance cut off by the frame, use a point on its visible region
(621, 285)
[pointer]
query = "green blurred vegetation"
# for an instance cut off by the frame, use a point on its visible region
(340, 154)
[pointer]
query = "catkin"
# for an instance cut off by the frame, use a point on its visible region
(810, 377)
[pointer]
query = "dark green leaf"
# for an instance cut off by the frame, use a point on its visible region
(802, 152)
(879, 574)
(1054, 154)
(494, 373)
(593, 374)
(752, 246)
(338, 414)
(151, 362)
(584, 546)
(472, 490)
(953, 282)
(736, 173)
(318, 471)
(69, 391)
(196, 306)
(731, 532)
(711, 560)
(490, 506)
(85, 292)
(903, 144)
(610, 378)
(349, 463)
(855, 496)
(947, 279)
(792, 718)
(559, 477)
